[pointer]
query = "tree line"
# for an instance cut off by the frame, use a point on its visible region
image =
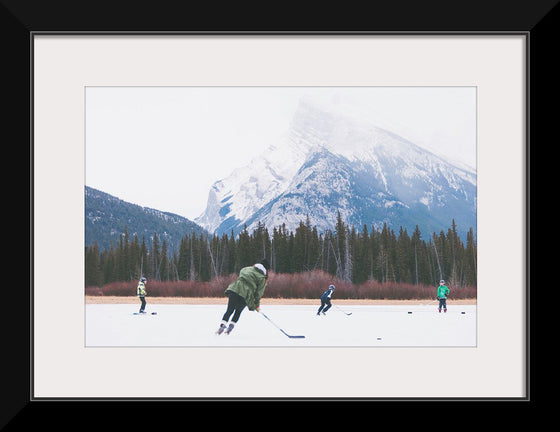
(352, 255)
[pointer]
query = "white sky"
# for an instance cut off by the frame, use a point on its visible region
(164, 147)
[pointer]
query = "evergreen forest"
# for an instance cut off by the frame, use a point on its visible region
(346, 253)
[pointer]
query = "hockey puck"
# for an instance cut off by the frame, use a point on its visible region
(409, 312)
(463, 313)
(154, 313)
(378, 338)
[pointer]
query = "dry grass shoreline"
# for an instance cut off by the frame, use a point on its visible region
(264, 301)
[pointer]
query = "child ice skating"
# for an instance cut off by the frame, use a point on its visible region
(247, 290)
(326, 300)
(442, 293)
(141, 293)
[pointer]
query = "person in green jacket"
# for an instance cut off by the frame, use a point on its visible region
(247, 290)
(141, 293)
(442, 293)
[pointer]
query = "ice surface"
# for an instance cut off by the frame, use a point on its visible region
(115, 325)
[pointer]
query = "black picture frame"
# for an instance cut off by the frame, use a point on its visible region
(20, 20)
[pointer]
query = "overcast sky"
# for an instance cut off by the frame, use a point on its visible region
(164, 147)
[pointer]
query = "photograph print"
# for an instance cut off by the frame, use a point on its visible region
(280, 216)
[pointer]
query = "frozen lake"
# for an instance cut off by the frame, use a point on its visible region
(115, 325)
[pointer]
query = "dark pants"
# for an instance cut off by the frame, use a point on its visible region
(323, 303)
(236, 304)
(143, 306)
(443, 303)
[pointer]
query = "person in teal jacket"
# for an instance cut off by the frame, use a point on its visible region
(247, 290)
(442, 293)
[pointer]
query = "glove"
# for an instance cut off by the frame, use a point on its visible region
(258, 308)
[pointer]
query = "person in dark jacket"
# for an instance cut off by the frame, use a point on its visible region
(247, 290)
(326, 300)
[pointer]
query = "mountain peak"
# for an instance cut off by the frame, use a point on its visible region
(336, 158)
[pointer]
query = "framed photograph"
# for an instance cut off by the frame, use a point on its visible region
(117, 108)
(319, 181)
(92, 91)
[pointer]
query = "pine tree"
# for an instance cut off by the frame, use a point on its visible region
(192, 254)
(154, 257)
(143, 258)
(260, 242)
(93, 271)
(232, 254)
(164, 264)
(108, 262)
(415, 245)
(302, 239)
(404, 257)
(134, 259)
(280, 250)
(183, 260)
(341, 250)
(244, 253)
(314, 249)
(470, 260)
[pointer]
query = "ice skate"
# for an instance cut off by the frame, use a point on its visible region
(221, 329)
(230, 328)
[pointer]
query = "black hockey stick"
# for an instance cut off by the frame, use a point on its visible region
(346, 313)
(290, 336)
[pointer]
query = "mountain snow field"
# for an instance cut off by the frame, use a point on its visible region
(377, 326)
(334, 160)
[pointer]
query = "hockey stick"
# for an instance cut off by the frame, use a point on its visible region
(426, 304)
(346, 313)
(290, 336)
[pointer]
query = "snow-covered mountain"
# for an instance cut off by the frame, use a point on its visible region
(335, 158)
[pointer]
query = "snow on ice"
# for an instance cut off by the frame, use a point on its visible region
(115, 325)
